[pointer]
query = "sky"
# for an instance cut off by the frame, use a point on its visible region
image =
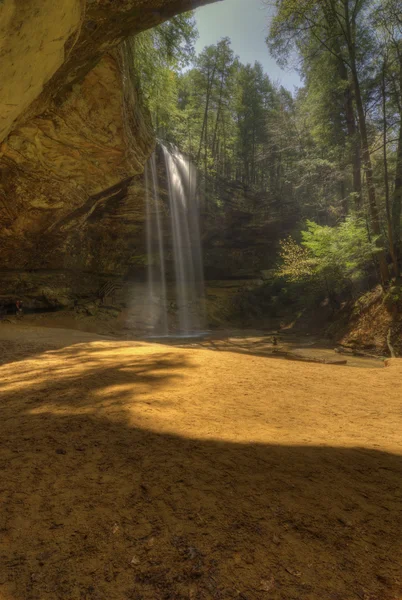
(245, 22)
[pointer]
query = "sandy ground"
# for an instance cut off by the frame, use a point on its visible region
(150, 472)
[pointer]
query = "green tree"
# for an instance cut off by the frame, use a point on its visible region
(253, 96)
(332, 257)
(341, 28)
(159, 54)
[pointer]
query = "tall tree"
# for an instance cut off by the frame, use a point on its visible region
(341, 29)
(389, 23)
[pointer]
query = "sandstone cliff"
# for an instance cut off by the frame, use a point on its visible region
(74, 143)
(72, 131)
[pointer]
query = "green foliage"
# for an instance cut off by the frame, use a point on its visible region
(254, 94)
(302, 154)
(296, 264)
(349, 52)
(342, 251)
(158, 55)
(333, 257)
(239, 126)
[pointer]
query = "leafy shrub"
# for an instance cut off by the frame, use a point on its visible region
(296, 261)
(330, 258)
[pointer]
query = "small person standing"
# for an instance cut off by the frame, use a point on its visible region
(18, 308)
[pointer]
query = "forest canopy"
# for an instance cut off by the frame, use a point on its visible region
(330, 153)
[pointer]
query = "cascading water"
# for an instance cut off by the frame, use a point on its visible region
(184, 242)
(157, 297)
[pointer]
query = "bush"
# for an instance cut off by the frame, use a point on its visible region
(329, 258)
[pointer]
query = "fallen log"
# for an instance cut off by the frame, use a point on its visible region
(303, 357)
(342, 349)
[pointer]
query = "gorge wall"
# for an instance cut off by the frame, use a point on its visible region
(74, 140)
(72, 133)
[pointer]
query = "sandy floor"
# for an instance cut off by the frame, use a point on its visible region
(139, 471)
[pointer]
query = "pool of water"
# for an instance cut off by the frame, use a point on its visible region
(179, 336)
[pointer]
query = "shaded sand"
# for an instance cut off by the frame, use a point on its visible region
(142, 471)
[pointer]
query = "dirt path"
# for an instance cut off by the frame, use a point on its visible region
(150, 472)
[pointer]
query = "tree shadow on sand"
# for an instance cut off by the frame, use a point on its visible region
(97, 505)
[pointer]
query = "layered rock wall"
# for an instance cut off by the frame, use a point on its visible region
(59, 165)
(72, 135)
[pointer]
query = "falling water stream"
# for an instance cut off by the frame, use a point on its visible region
(183, 244)
(157, 296)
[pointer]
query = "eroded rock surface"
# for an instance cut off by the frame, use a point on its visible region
(59, 166)
(75, 140)
(73, 136)
(46, 47)
(35, 39)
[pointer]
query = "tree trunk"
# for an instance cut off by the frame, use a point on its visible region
(375, 218)
(352, 129)
(397, 197)
(252, 175)
(386, 178)
(204, 123)
(353, 133)
(218, 113)
(368, 167)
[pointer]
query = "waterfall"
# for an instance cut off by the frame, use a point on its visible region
(157, 297)
(185, 245)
